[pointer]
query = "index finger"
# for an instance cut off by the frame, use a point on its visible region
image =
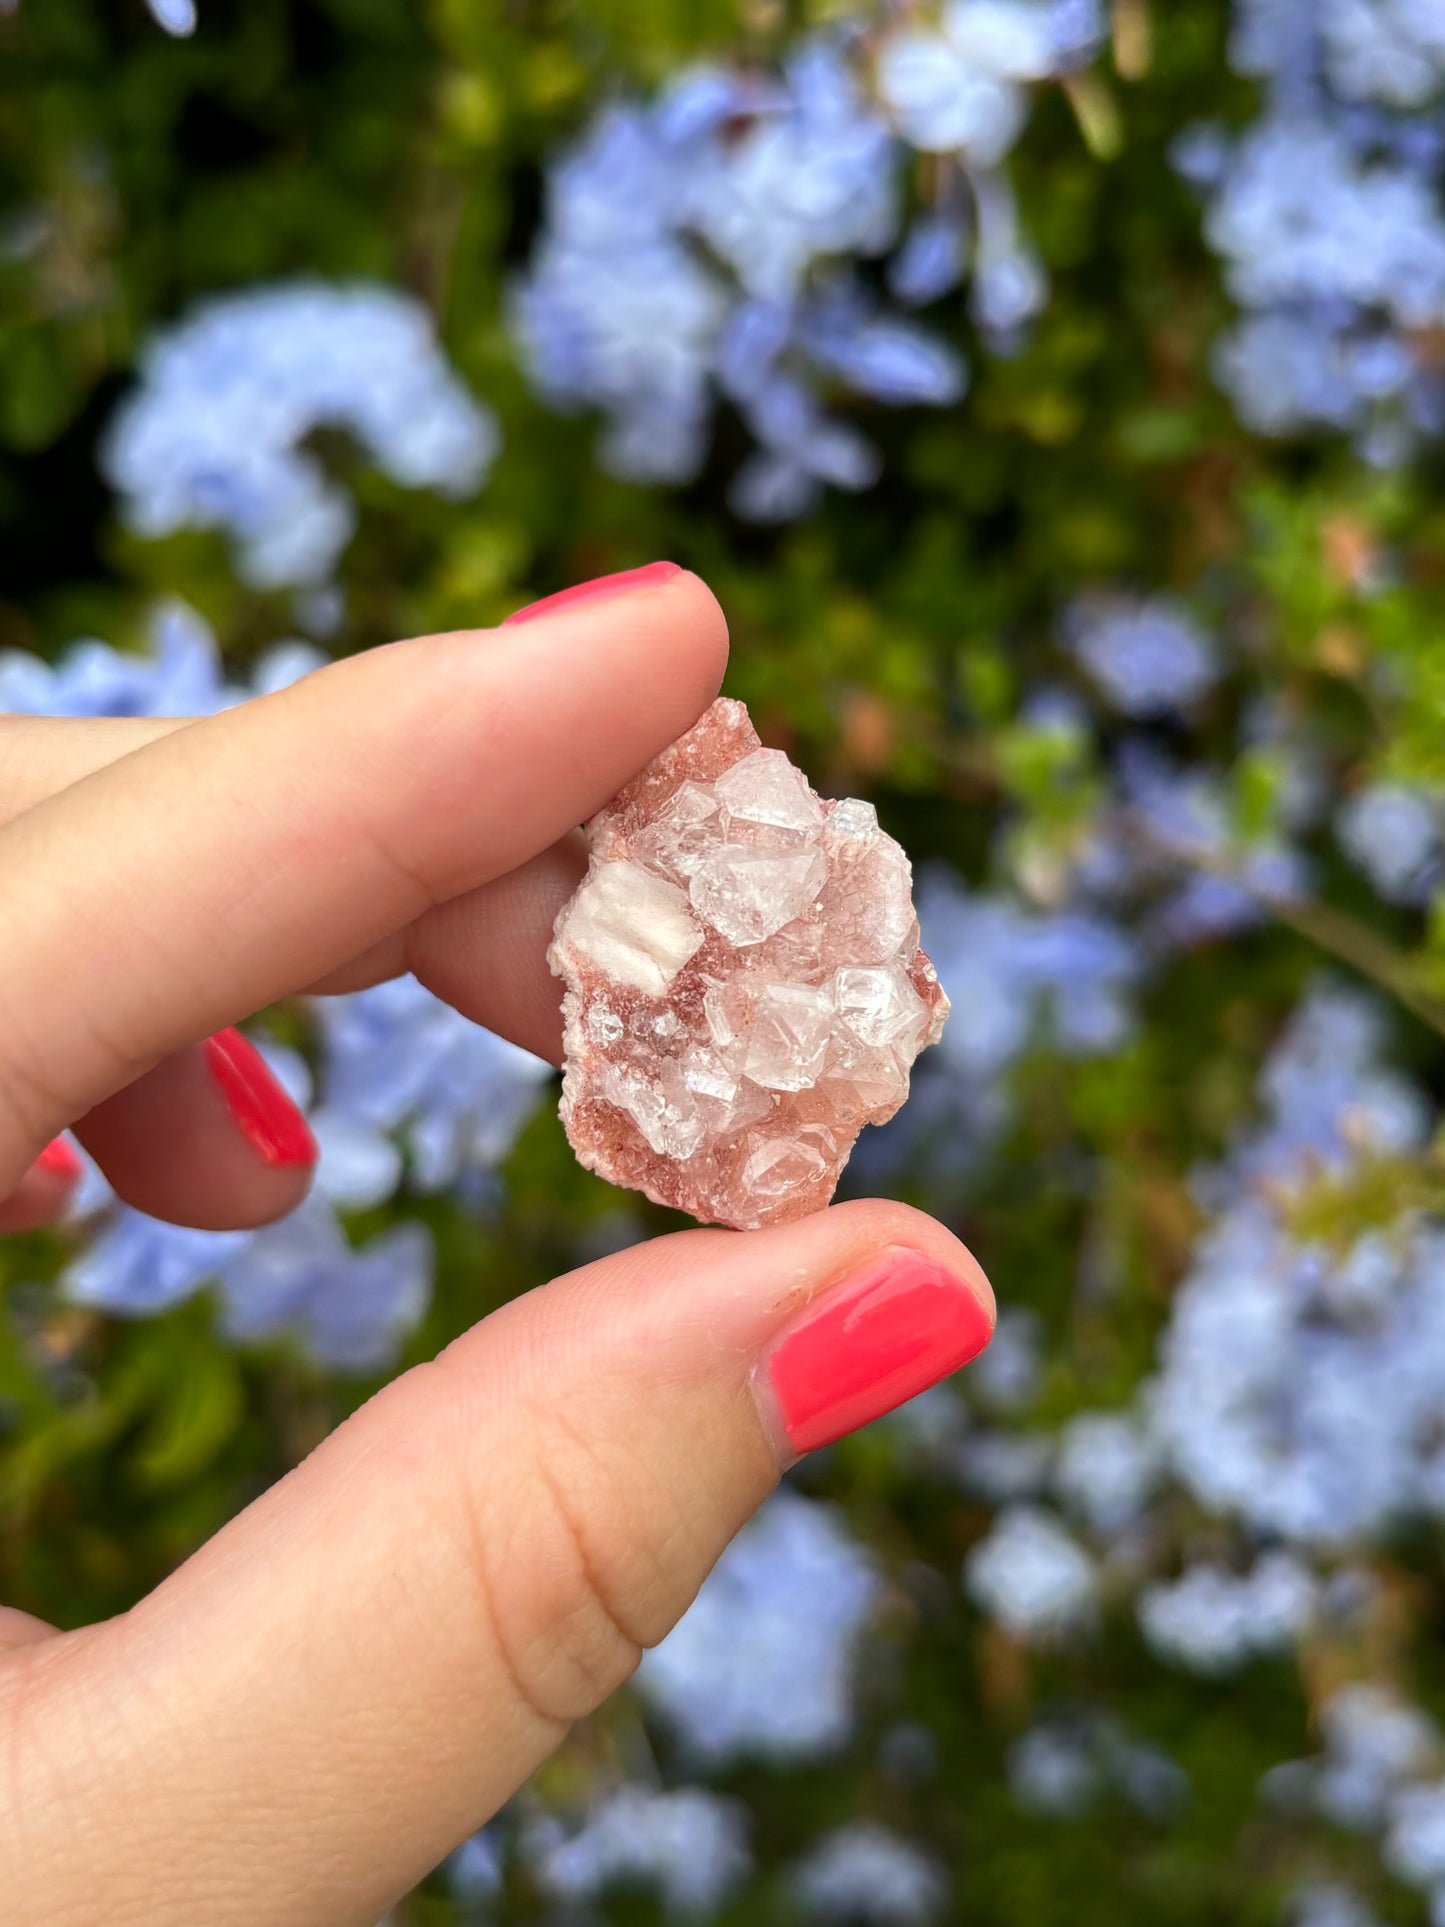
(247, 855)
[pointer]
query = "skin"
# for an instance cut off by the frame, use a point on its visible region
(357, 1672)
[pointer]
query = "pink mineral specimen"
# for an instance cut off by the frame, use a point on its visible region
(745, 989)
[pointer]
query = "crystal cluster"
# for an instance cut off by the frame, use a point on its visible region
(745, 989)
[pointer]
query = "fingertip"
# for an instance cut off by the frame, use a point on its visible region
(260, 1108)
(710, 637)
(885, 1222)
(602, 588)
(207, 1139)
(889, 1330)
(60, 1160)
(671, 608)
(707, 1302)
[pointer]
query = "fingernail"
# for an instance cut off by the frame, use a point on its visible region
(60, 1159)
(597, 590)
(265, 1114)
(866, 1346)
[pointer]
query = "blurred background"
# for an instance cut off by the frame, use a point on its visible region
(1054, 394)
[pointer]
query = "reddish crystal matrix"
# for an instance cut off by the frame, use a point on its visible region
(745, 989)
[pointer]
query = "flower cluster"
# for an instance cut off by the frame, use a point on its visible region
(762, 1662)
(1212, 1622)
(691, 1849)
(1327, 217)
(1031, 1576)
(1147, 658)
(690, 1846)
(866, 1875)
(215, 435)
(1066, 1766)
(704, 246)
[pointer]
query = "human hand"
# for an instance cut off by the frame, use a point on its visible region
(354, 1674)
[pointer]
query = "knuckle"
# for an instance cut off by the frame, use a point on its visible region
(573, 1571)
(411, 882)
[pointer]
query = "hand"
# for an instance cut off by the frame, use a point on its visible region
(353, 1675)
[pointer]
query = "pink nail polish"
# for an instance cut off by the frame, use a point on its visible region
(265, 1114)
(60, 1160)
(597, 590)
(866, 1346)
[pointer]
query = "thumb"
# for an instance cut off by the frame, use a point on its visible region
(364, 1665)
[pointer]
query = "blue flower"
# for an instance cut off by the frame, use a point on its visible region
(180, 675)
(396, 1058)
(1415, 1844)
(1213, 1622)
(1375, 1744)
(1298, 1386)
(813, 179)
(1328, 1904)
(933, 258)
(176, 16)
(1108, 1465)
(1053, 1770)
(1327, 216)
(1391, 51)
(1009, 284)
(614, 309)
(1393, 832)
(1006, 968)
(689, 1845)
(955, 89)
(891, 361)
(762, 1661)
(136, 1265)
(350, 1308)
(1032, 1576)
(864, 1873)
(1007, 1376)
(1149, 658)
(212, 437)
(703, 246)
(474, 1871)
(1063, 1766)
(1169, 820)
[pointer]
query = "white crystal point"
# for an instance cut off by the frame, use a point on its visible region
(662, 1109)
(765, 788)
(633, 927)
(852, 820)
(879, 1005)
(869, 899)
(744, 987)
(683, 835)
(748, 894)
(866, 1079)
(791, 1025)
(725, 1098)
(780, 1167)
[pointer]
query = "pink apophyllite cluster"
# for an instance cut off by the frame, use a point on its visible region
(745, 989)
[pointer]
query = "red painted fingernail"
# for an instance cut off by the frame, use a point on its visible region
(596, 590)
(60, 1159)
(877, 1339)
(260, 1107)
